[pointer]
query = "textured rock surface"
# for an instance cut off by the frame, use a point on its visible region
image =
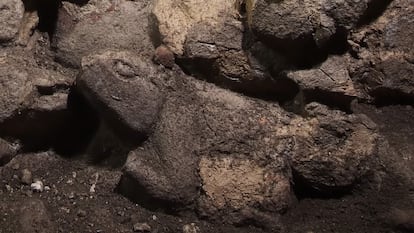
(319, 141)
(7, 151)
(338, 150)
(119, 86)
(25, 85)
(114, 24)
(207, 137)
(384, 69)
(11, 13)
(174, 19)
(331, 76)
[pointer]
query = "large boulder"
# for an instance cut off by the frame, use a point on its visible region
(100, 25)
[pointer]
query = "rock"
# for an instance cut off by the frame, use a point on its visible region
(37, 186)
(163, 172)
(123, 94)
(191, 228)
(102, 25)
(334, 150)
(25, 85)
(384, 67)
(81, 213)
(7, 151)
(174, 19)
(196, 144)
(164, 56)
(11, 14)
(142, 227)
(347, 13)
(28, 24)
(34, 217)
(26, 177)
(401, 219)
(399, 32)
(331, 76)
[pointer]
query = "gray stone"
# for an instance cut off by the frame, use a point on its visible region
(26, 177)
(119, 86)
(7, 151)
(11, 14)
(101, 25)
(337, 150)
(142, 227)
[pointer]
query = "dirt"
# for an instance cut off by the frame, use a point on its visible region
(71, 207)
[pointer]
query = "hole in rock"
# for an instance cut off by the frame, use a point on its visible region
(303, 189)
(67, 131)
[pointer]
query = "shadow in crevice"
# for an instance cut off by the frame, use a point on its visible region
(375, 10)
(47, 11)
(67, 131)
(303, 189)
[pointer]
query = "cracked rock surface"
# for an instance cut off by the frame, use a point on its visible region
(206, 116)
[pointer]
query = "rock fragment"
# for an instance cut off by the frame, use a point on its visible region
(37, 186)
(142, 227)
(11, 14)
(26, 177)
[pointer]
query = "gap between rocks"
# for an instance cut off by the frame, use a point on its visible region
(68, 131)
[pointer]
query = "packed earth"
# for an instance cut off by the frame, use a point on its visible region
(195, 116)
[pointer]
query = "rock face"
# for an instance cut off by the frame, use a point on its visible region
(331, 76)
(384, 67)
(11, 14)
(338, 152)
(122, 92)
(115, 24)
(203, 141)
(175, 19)
(24, 85)
(7, 151)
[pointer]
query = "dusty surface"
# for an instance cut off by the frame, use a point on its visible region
(206, 116)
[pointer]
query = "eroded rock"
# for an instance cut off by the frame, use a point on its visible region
(115, 24)
(11, 14)
(337, 150)
(119, 85)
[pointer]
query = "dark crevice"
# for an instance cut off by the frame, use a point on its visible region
(375, 9)
(302, 53)
(47, 11)
(338, 101)
(304, 189)
(385, 97)
(66, 131)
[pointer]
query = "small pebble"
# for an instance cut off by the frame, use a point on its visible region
(191, 228)
(9, 188)
(37, 186)
(26, 177)
(142, 227)
(81, 213)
